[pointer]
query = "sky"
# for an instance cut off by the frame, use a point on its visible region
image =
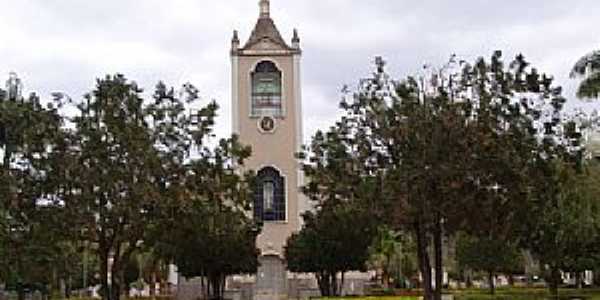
(64, 45)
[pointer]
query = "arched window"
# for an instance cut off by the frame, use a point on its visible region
(266, 90)
(269, 197)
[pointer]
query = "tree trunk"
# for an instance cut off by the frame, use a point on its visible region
(320, 283)
(439, 268)
(7, 155)
(216, 282)
(491, 282)
(207, 287)
(213, 287)
(331, 285)
(386, 271)
(342, 284)
(555, 275)
(334, 285)
(596, 277)
(423, 257)
(20, 291)
(204, 287)
(153, 282)
(596, 274)
(20, 288)
(469, 279)
(115, 279)
(69, 287)
(105, 287)
(115, 290)
(62, 288)
(578, 280)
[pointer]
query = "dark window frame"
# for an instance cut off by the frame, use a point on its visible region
(279, 212)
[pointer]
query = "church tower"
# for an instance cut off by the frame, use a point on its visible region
(267, 115)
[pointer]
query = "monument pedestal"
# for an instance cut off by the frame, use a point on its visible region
(271, 279)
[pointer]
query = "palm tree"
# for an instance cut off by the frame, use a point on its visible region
(385, 246)
(588, 68)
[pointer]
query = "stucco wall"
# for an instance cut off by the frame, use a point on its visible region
(272, 149)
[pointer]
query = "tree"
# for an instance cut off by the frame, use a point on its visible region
(154, 268)
(345, 191)
(394, 254)
(588, 68)
(513, 130)
(214, 250)
(333, 241)
(38, 255)
(117, 165)
(28, 131)
(446, 141)
(382, 251)
(488, 255)
(210, 233)
(564, 221)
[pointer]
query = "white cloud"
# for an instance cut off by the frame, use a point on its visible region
(65, 44)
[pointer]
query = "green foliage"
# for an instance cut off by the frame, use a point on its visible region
(588, 68)
(450, 151)
(154, 268)
(120, 167)
(488, 255)
(131, 272)
(214, 244)
(209, 232)
(106, 175)
(333, 241)
(118, 180)
(564, 220)
(394, 254)
(347, 193)
(30, 240)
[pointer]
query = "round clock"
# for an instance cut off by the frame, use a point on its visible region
(267, 124)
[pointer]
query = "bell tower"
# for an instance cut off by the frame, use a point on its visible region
(267, 115)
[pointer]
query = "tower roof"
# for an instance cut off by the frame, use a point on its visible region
(265, 28)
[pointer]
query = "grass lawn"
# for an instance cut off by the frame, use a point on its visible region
(526, 294)
(374, 298)
(501, 294)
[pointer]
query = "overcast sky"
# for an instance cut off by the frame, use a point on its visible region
(63, 45)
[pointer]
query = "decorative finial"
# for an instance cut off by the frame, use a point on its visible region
(235, 41)
(14, 87)
(264, 8)
(380, 63)
(296, 39)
